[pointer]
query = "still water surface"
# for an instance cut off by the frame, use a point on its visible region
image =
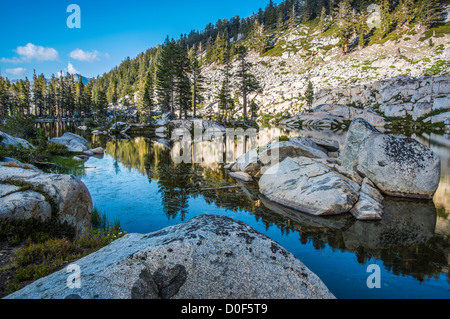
(137, 183)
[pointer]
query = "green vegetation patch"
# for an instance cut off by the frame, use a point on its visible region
(438, 31)
(439, 68)
(43, 248)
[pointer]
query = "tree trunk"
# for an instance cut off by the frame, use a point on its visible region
(115, 119)
(171, 107)
(244, 104)
(194, 99)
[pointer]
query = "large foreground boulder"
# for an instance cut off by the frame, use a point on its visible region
(309, 186)
(27, 193)
(209, 257)
(73, 142)
(398, 166)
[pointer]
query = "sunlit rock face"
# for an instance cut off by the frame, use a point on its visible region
(398, 166)
(37, 195)
(309, 186)
(208, 257)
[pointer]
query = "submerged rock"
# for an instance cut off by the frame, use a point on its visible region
(209, 257)
(42, 196)
(98, 151)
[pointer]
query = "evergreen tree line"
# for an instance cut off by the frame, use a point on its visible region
(61, 96)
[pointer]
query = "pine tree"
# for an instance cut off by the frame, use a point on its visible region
(79, 99)
(309, 95)
(197, 80)
(221, 48)
(292, 17)
(362, 29)
(67, 95)
(430, 13)
(236, 26)
(323, 25)
(258, 39)
(270, 15)
(166, 77)
(386, 18)
(253, 108)
(50, 96)
(39, 86)
(406, 12)
(145, 97)
(87, 99)
(307, 11)
(224, 97)
(24, 96)
(4, 99)
(247, 82)
(100, 101)
(182, 81)
(344, 17)
(280, 23)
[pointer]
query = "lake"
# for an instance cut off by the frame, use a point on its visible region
(138, 184)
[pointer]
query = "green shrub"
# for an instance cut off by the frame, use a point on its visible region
(57, 149)
(21, 127)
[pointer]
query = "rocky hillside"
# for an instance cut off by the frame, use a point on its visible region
(400, 69)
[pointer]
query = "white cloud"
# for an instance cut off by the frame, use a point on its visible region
(71, 69)
(14, 60)
(31, 51)
(17, 71)
(84, 56)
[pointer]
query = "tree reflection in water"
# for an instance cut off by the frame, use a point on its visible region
(404, 240)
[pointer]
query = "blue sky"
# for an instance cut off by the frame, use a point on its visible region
(35, 35)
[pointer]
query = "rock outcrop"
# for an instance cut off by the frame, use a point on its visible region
(258, 161)
(333, 115)
(309, 186)
(209, 257)
(6, 140)
(27, 193)
(395, 97)
(398, 166)
(73, 142)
